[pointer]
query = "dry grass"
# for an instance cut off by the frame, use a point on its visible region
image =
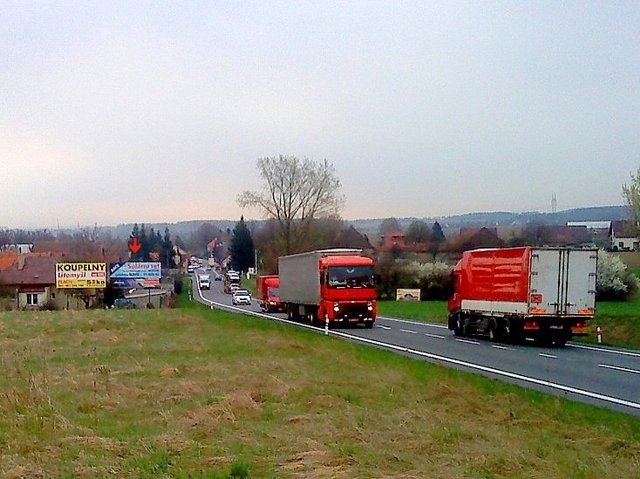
(170, 393)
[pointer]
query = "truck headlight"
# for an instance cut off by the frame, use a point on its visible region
(336, 307)
(370, 306)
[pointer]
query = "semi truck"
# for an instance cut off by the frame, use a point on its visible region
(524, 293)
(268, 292)
(334, 286)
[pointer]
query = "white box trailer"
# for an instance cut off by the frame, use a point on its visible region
(508, 293)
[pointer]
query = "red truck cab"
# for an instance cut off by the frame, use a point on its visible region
(267, 287)
(333, 285)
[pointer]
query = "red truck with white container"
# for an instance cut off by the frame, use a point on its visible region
(268, 292)
(334, 285)
(513, 294)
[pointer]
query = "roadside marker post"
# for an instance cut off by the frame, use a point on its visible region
(599, 334)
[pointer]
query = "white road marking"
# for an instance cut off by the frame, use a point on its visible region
(468, 341)
(421, 323)
(605, 350)
(408, 331)
(438, 336)
(545, 355)
(618, 368)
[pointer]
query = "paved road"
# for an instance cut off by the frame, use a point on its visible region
(605, 377)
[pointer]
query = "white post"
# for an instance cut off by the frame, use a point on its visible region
(599, 334)
(326, 324)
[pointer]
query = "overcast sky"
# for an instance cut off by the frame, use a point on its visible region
(124, 111)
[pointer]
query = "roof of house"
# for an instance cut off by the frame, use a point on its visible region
(564, 235)
(352, 238)
(622, 229)
(474, 231)
(8, 259)
(31, 269)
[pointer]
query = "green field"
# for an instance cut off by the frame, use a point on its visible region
(200, 393)
(619, 321)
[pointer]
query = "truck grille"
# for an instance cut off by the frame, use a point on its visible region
(353, 311)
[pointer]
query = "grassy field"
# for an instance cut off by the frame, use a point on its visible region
(199, 393)
(620, 321)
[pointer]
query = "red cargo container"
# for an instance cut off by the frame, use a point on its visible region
(546, 294)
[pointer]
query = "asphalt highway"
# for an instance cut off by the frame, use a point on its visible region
(605, 377)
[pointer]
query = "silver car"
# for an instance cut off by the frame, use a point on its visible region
(241, 296)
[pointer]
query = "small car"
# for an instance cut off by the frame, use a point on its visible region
(124, 303)
(241, 296)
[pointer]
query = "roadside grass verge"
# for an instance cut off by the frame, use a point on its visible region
(428, 311)
(199, 393)
(619, 320)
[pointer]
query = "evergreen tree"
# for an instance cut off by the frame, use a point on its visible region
(135, 233)
(437, 235)
(241, 247)
(437, 238)
(167, 250)
(153, 242)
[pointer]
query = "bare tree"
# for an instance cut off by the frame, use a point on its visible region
(418, 232)
(294, 193)
(631, 194)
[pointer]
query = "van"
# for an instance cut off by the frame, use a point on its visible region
(204, 281)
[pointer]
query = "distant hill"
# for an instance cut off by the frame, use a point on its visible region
(371, 227)
(504, 218)
(182, 229)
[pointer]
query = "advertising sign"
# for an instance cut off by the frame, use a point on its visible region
(128, 283)
(135, 270)
(404, 294)
(81, 275)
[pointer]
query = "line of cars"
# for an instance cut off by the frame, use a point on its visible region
(231, 285)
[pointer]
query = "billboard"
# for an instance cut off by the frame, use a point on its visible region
(405, 294)
(135, 274)
(135, 270)
(81, 275)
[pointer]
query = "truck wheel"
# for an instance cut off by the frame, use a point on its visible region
(507, 330)
(494, 331)
(368, 324)
(458, 330)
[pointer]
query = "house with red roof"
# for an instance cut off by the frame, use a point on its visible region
(29, 280)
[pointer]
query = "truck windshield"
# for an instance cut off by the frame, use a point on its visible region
(350, 276)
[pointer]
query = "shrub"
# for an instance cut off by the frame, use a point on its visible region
(170, 301)
(49, 305)
(178, 284)
(614, 282)
(433, 279)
